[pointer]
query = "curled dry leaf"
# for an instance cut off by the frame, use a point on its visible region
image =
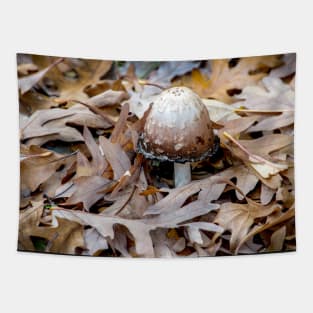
(98, 163)
(256, 153)
(277, 97)
(276, 218)
(116, 156)
(277, 240)
(27, 82)
(56, 124)
(108, 98)
(238, 218)
(38, 165)
(219, 111)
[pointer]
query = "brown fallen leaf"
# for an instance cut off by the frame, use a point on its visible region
(277, 240)
(94, 242)
(87, 190)
(118, 133)
(32, 101)
(220, 112)
(266, 194)
(38, 164)
(56, 124)
(140, 100)
(209, 189)
(277, 217)
(116, 156)
(256, 153)
(225, 77)
(29, 219)
(130, 177)
(63, 236)
(108, 98)
(169, 70)
(27, 82)
(276, 97)
(162, 244)
(98, 163)
(140, 229)
(246, 180)
(237, 126)
(238, 218)
(70, 79)
(106, 199)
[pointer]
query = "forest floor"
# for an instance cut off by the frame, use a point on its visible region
(87, 190)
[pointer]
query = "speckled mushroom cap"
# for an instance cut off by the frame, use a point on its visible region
(178, 128)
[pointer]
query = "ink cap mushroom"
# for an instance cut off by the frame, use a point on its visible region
(178, 129)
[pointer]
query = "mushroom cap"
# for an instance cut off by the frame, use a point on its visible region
(178, 128)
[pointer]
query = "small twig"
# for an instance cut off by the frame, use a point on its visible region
(145, 82)
(262, 111)
(128, 199)
(252, 157)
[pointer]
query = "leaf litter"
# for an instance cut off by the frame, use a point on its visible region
(86, 190)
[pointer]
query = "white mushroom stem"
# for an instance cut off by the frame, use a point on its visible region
(182, 174)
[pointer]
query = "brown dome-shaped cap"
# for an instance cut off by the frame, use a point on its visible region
(178, 128)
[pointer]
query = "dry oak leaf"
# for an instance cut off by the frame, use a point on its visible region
(256, 153)
(38, 165)
(277, 97)
(220, 112)
(116, 157)
(88, 190)
(226, 77)
(238, 218)
(98, 164)
(88, 186)
(140, 100)
(108, 98)
(70, 78)
(28, 220)
(94, 242)
(140, 228)
(32, 101)
(28, 82)
(209, 189)
(55, 124)
(277, 217)
(63, 236)
(277, 239)
(169, 70)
